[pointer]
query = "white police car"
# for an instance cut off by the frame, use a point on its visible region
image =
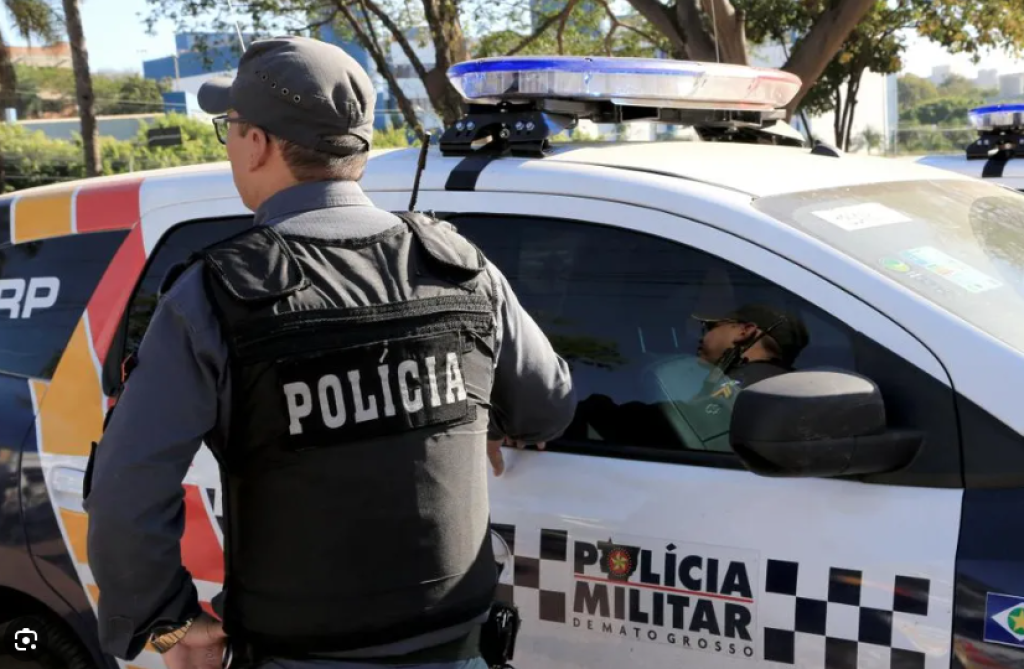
(996, 155)
(856, 524)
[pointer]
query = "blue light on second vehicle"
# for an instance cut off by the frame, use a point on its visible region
(997, 117)
(637, 81)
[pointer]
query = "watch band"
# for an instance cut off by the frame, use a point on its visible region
(164, 641)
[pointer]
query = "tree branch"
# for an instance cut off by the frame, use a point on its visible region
(320, 24)
(609, 37)
(664, 21)
(560, 35)
(541, 29)
(730, 30)
(820, 45)
(699, 44)
(399, 36)
(408, 111)
(616, 23)
(372, 32)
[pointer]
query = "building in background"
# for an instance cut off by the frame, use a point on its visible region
(56, 55)
(1011, 85)
(202, 56)
(987, 78)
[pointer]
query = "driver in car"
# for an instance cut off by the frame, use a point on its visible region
(744, 346)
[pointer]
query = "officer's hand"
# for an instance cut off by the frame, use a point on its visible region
(495, 456)
(202, 647)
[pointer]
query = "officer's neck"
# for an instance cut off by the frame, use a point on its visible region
(271, 183)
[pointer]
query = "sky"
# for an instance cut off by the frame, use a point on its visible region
(117, 40)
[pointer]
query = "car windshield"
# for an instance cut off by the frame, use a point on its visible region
(957, 243)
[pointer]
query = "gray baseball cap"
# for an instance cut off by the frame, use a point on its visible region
(297, 88)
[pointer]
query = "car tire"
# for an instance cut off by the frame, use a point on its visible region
(63, 649)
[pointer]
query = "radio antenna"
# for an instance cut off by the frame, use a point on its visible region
(420, 165)
(238, 28)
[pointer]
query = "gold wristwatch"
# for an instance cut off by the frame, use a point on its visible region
(166, 637)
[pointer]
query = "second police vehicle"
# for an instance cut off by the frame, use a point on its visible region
(863, 512)
(996, 155)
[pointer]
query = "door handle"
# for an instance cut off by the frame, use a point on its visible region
(502, 558)
(66, 486)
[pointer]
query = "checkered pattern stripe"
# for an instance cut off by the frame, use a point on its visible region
(839, 623)
(537, 582)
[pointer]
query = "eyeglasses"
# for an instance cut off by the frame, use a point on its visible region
(221, 123)
(711, 325)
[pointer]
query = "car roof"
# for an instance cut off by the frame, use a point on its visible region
(756, 170)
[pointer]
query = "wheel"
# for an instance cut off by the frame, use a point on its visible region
(59, 647)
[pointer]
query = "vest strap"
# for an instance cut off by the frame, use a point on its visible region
(271, 270)
(450, 251)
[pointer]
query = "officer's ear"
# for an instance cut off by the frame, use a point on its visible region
(747, 332)
(261, 147)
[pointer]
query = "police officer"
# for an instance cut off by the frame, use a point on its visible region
(744, 346)
(346, 367)
(751, 343)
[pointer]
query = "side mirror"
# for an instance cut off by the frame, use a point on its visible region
(817, 423)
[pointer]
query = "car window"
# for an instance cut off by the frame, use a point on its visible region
(45, 286)
(618, 306)
(957, 243)
(174, 248)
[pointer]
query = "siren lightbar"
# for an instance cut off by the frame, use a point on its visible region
(649, 82)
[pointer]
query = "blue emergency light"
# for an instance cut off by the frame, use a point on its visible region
(1000, 132)
(992, 118)
(646, 82)
(517, 104)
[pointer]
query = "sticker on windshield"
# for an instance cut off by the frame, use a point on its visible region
(862, 216)
(950, 269)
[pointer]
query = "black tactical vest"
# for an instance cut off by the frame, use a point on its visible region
(355, 472)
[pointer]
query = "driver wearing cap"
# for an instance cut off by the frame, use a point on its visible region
(744, 346)
(750, 344)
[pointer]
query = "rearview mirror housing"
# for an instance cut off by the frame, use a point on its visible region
(817, 424)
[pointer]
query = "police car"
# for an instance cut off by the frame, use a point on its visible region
(996, 153)
(865, 512)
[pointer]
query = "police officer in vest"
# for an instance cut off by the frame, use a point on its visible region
(345, 366)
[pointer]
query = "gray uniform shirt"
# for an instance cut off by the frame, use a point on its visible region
(180, 392)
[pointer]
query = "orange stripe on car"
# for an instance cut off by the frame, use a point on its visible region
(76, 526)
(71, 418)
(42, 215)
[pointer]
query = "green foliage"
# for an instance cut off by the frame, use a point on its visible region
(586, 31)
(48, 90)
(933, 140)
(33, 18)
(33, 159)
(923, 103)
(912, 90)
(941, 111)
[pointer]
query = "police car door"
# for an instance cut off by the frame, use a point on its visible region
(629, 545)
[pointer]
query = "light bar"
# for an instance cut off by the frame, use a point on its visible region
(624, 81)
(997, 117)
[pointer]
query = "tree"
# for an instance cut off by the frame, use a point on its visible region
(83, 86)
(874, 45)
(718, 30)
(572, 26)
(31, 19)
(912, 90)
(872, 139)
